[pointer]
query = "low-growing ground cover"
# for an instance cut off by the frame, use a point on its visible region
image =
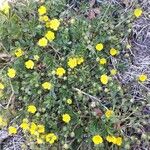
(62, 65)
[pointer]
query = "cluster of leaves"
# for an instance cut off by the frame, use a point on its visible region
(77, 36)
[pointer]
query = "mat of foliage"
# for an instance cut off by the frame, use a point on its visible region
(60, 82)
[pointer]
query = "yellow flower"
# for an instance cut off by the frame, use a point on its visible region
(97, 139)
(19, 52)
(99, 46)
(138, 12)
(31, 109)
(29, 64)
(118, 141)
(41, 128)
(43, 18)
(72, 62)
(103, 61)
(11, 72)
(5, 8)
(36, 133)
(104, 79)
(109, 138)
(113, 72)
(80, 60)
(54, 24)
(1, 86)
(33, 128)
(47, 85)
(142, 77)
(3, 122)
(50, 35)
(66, 118)
(42, 10)
(60, 71)
(51, 138)
(42, 42)
(39, 141)
(24, 126)
(12, 130)
(36, 57)
(48, 24)
(113, 139)
(25, 120)
(69, 101)
(113, 52)
(109, 113)
(72, 20)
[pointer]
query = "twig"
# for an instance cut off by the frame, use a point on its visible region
(148, 89)
(80, 145)
(11, 96)
(112, 60)
(90, 96)
(15, 119)
(104, 15)
(142, 29)
(130, 114)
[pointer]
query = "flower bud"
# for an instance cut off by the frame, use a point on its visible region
(144, 136)
(72, 134)
(66, 146)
